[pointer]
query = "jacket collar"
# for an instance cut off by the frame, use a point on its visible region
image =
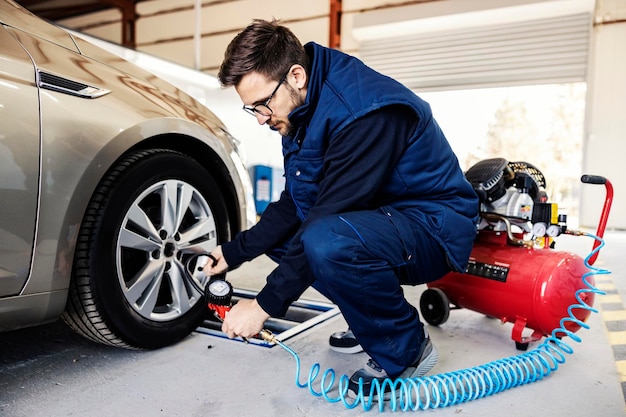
(301, 116)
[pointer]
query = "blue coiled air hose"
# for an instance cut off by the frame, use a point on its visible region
(451, 388)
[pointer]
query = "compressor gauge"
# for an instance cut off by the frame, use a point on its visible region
(539, 229)
(553, 230)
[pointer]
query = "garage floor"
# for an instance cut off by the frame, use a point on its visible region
(48, 371)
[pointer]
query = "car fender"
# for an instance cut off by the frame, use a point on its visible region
(55, 248)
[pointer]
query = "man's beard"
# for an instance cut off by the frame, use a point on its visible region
(297, 102)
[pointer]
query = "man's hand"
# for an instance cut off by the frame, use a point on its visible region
(245, 319)
(217, 266)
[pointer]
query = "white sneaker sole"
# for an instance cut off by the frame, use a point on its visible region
(353, 349)
(427, 364)
(422, 369)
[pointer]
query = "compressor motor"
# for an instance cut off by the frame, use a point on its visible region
(515, 191)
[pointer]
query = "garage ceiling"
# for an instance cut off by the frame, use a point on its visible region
(55, 10)
(63, 9)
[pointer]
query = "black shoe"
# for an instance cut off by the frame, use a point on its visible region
(427, 359)
(344, 342)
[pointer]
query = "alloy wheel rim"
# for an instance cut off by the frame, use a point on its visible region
(166, 224)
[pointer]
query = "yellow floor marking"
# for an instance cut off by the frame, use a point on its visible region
(604, 286)
(621, 368)
(617, 338)
(614, 315)
(609, 298)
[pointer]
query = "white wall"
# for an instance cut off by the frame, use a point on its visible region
(605, 137)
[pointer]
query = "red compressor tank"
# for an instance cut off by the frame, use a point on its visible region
(519, 282)
(529, 287)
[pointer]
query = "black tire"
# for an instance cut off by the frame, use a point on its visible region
(435, 306)
(129, 287)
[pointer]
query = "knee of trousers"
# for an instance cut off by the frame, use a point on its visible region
(329, 245)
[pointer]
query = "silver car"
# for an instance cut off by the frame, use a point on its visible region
(110, 179)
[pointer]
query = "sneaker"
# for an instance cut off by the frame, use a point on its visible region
(344, 342)
(427, 359)
(367, 375)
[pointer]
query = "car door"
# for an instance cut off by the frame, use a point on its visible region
(19, 163)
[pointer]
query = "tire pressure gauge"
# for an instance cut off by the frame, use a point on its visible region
(219, 292)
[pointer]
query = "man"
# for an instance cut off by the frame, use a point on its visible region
(374, 198)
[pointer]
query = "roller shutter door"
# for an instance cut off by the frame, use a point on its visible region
(551, 50)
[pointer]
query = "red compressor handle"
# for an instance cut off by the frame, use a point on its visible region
(604, 216)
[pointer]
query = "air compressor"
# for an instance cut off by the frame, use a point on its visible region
(514, 273)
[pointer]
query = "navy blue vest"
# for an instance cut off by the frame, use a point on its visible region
(427, 184)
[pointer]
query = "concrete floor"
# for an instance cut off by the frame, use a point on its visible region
(48, 371)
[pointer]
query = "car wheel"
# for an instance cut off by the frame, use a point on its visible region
(151, 211)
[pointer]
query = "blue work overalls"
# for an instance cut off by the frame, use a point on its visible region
(359, 259)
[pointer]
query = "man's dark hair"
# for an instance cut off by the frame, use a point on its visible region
(265, 47)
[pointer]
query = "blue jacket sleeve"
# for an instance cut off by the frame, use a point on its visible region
(277, 223)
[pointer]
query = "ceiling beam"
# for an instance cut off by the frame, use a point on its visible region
(55, 10)
(334, 37)
(129, 21)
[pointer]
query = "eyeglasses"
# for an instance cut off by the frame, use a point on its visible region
(264, 109)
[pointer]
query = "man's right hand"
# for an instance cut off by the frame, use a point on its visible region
(217, 265)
